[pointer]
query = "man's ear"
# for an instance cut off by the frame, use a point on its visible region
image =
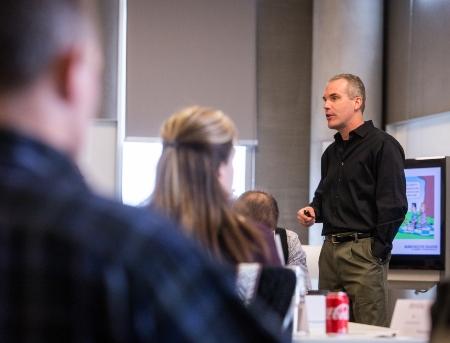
(358, 103)
(67, 73)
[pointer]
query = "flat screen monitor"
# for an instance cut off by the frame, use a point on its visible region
(420, 241)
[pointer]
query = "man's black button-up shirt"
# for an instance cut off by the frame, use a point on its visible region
(363, 187)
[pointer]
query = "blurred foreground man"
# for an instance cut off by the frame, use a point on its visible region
(75, 267)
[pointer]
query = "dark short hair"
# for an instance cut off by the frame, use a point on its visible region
(260, 206)
(355, 87)
(32, 34)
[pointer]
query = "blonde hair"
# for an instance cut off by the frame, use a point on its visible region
(195, 142)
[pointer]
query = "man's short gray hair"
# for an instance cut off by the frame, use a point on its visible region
(355, 87)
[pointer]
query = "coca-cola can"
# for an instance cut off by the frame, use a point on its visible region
(337, 313)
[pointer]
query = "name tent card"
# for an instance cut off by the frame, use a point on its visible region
(412, 318)
(315, 307)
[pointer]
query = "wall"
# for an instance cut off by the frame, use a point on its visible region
(99, 155)
(284, 93)
(423, 137)
(416, 62)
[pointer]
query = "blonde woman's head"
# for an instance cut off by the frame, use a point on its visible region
(195, 168)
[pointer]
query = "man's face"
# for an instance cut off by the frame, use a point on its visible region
(339, 109)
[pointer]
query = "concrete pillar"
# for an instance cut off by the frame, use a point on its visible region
(347, 38)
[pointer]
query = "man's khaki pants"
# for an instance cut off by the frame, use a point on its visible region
(350, 267)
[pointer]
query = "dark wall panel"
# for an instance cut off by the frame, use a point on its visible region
(284, 103)
(397, 59)
(430, 58)
(417, 59)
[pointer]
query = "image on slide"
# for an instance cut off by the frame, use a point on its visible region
(419, 220)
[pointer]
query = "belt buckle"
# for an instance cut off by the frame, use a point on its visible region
(332, 238)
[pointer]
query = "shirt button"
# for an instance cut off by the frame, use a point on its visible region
(342, 163)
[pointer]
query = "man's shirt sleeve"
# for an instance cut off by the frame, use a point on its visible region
(391, 201)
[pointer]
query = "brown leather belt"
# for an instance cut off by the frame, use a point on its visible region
(346, 237)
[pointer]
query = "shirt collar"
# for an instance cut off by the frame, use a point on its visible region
(361, 130)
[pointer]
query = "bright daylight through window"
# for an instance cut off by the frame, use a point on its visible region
(139, 171)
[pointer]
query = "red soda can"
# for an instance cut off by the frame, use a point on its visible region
(338, 312)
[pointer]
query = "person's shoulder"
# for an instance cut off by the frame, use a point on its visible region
(329, 149)
(384, 139)
(382, 134)
(291, 234)
(142, 220)
(121, 224)
(143, 236)
(293, 237)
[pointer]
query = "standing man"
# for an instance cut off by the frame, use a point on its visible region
(361, 201)
(76, 267)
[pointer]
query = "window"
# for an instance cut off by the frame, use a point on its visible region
(139, 170)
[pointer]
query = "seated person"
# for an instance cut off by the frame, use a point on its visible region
(263, 208)
(193, 186)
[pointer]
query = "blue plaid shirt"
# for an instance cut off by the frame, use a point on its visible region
(75, 267)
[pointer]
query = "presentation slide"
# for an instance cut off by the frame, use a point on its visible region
(420, 233)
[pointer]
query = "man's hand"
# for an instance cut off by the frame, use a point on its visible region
(306, 216)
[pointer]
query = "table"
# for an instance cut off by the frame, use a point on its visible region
(357, 333)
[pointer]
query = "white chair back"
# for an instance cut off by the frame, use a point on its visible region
(312, 261)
